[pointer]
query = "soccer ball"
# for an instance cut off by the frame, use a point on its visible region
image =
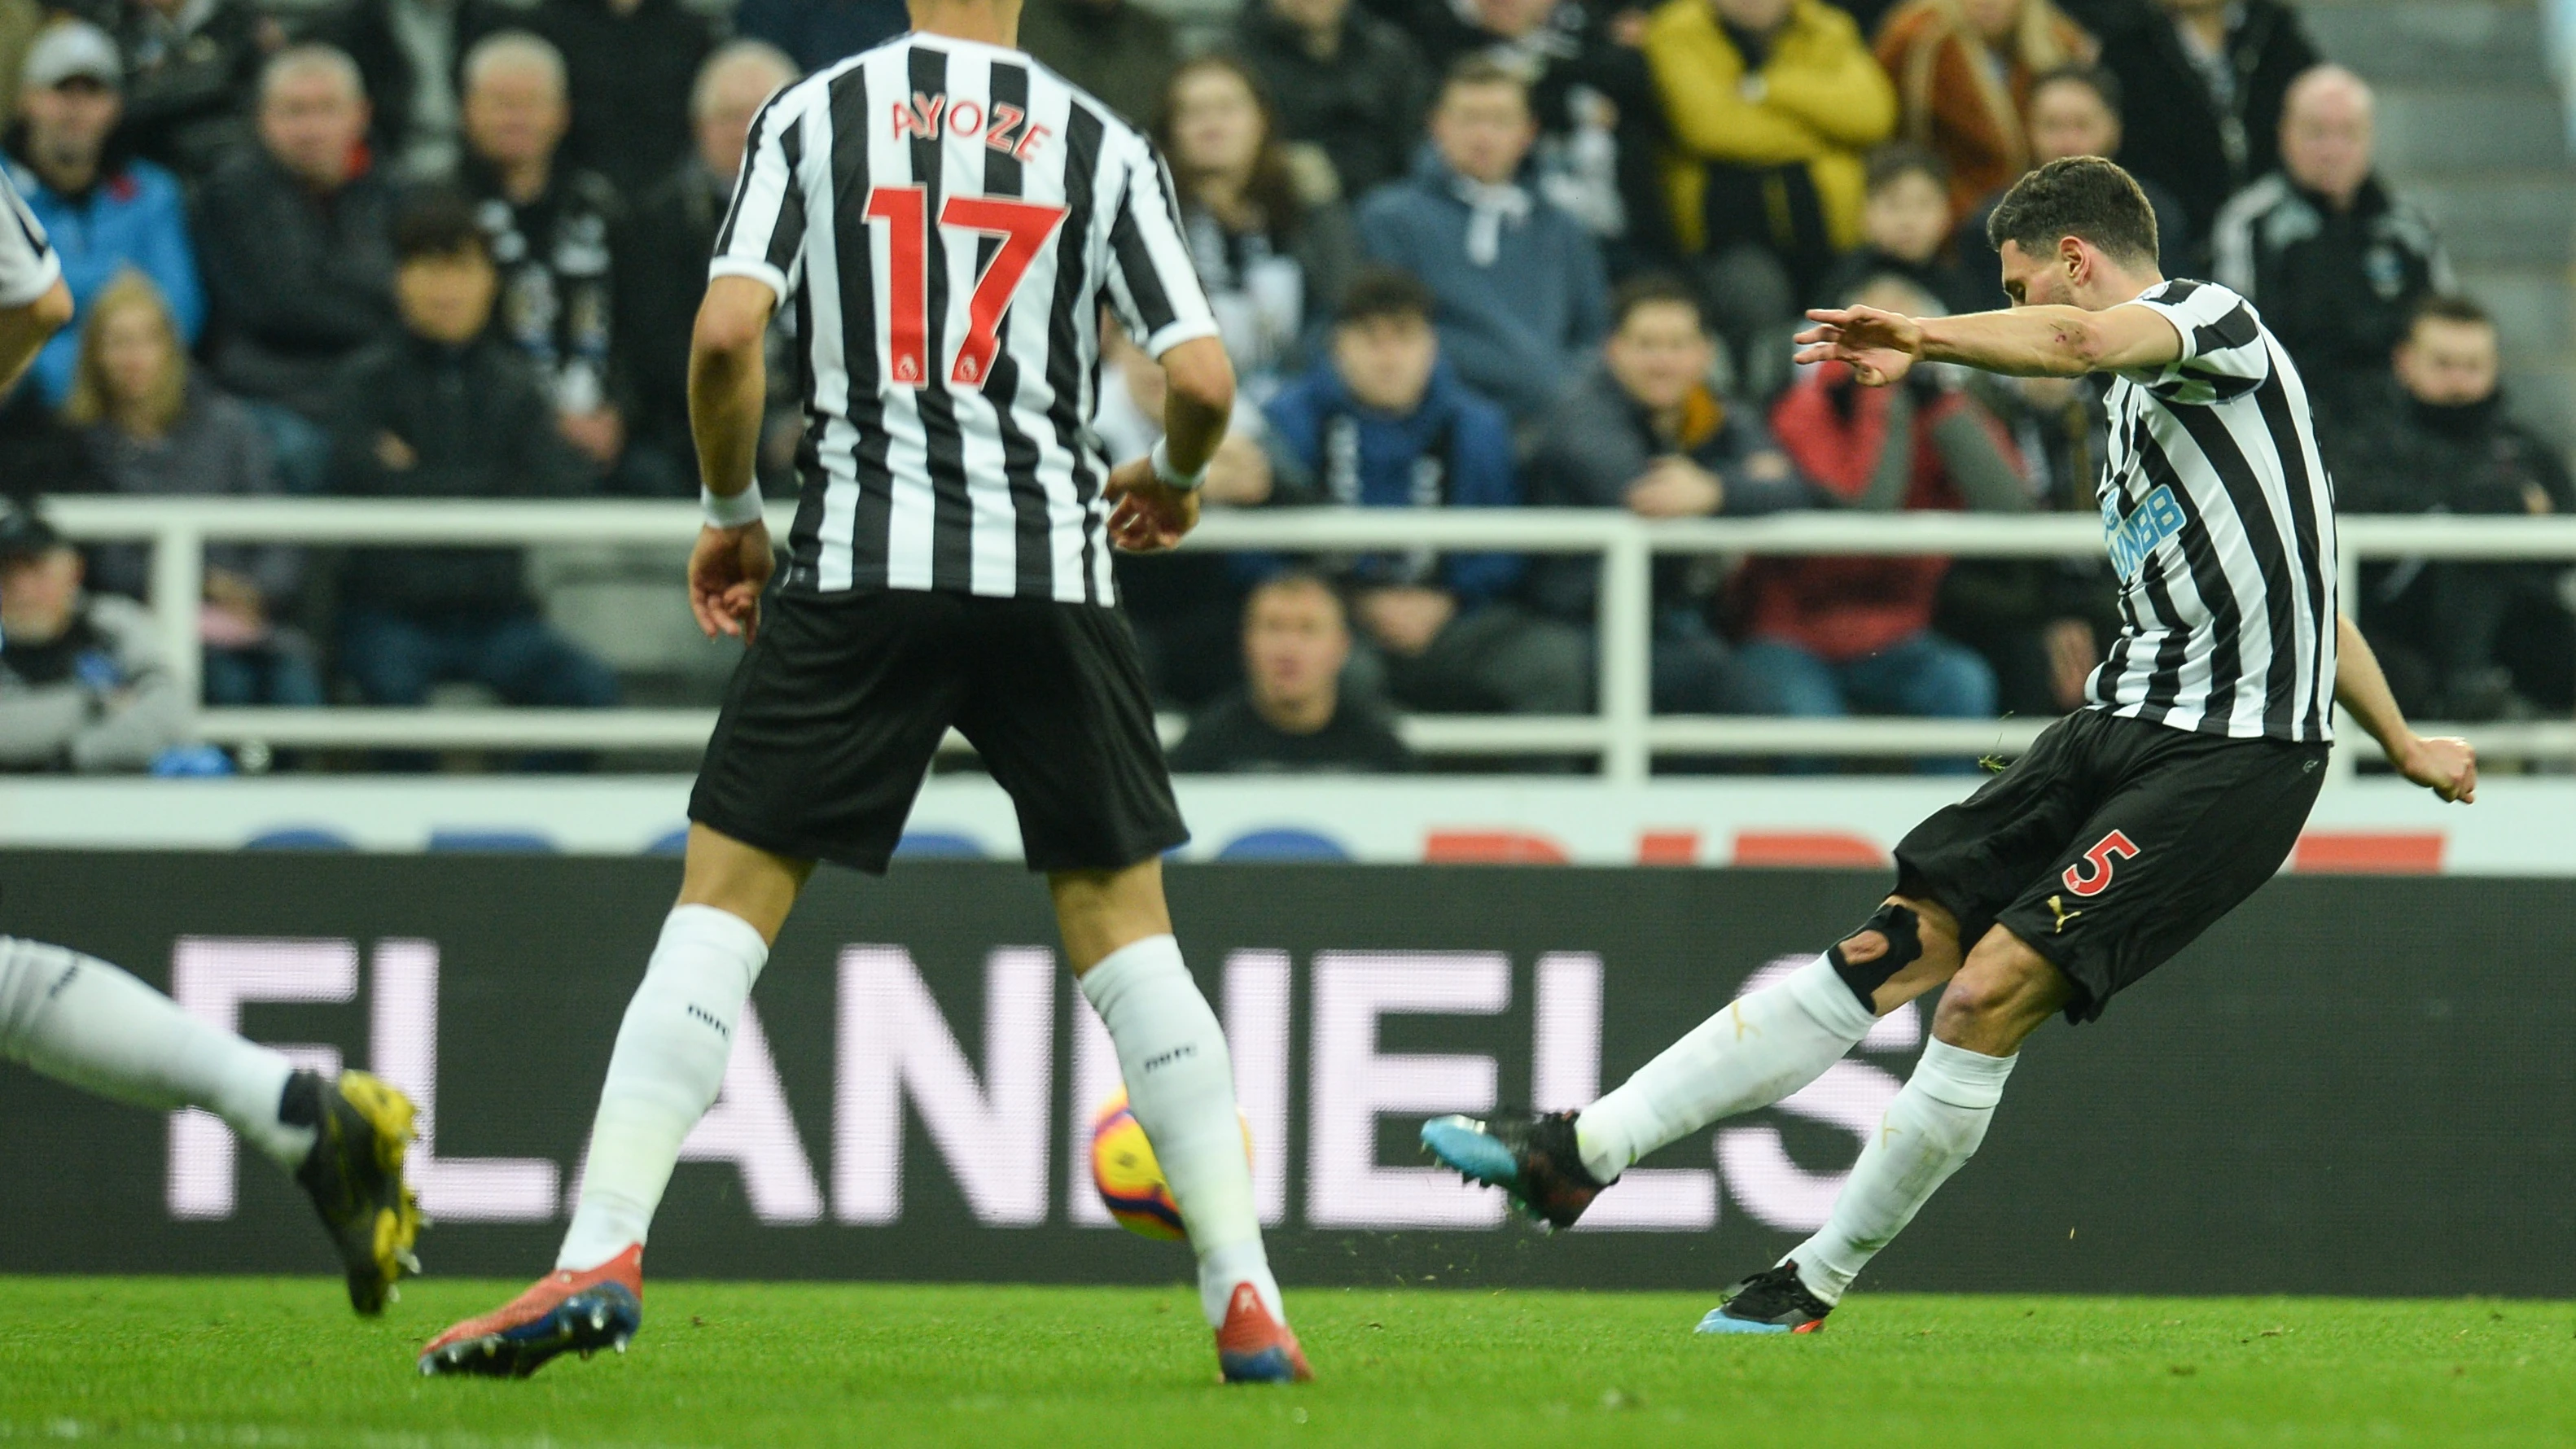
(1129, 1179)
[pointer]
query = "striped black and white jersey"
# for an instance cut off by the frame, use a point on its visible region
(945, 219)
(2220, 523)
(28, 266)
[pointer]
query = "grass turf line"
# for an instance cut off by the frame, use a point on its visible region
(281, 1362)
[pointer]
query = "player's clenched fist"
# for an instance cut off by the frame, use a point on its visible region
(2443, 764)
(1151, 516)
(727, 572)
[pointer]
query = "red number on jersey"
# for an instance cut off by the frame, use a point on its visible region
(1023, 226)
(902, 209)
(2105, 855)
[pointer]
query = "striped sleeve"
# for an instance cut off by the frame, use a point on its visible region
(1152, 283)
(2222, 343)
(28, 266)
(764, 230)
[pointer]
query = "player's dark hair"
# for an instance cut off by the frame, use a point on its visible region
(1654, 289)
(2448, 307)
(1377, 292)
(439, 222)
(2100, 80)
(1899, 159)
(2079, 196)
(1482, 70)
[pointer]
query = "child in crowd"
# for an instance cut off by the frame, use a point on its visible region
(153, 426)
(1384, 423)
(1906, 230)
(449, 409)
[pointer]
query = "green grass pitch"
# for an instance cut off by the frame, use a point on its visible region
(280, 1362)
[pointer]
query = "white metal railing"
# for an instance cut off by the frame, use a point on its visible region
(1625, 734)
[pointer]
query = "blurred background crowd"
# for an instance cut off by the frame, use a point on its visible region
(1465, 254)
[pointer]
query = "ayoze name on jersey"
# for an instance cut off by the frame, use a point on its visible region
(1006, 130)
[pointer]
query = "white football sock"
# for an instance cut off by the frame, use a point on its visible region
(1180, 1085)
(1762, 1047)
(1932, 1127)
(665, 1074)
(80, 1020)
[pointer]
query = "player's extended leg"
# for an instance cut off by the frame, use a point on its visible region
(1762, 1047)
(1180, 1084)
(80, 1020)
(665, 1073)
(2002, 995)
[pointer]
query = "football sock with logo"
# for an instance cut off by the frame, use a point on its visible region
(665, 1074)
(1763, 1046)
(1180, 1085)
(1932, 1127)
(80, 1020)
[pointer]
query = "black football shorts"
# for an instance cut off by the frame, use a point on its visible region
(833, 715)
(2113, 844)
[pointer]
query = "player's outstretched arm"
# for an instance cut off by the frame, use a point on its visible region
(2444, 765)
(1157, 499)
(1881, 347)
(728, 387)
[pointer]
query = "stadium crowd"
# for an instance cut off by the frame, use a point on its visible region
(1464, 254)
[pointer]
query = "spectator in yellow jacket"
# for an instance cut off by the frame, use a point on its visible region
(1771, 105)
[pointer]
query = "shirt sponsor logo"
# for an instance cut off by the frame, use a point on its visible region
(2130, 540)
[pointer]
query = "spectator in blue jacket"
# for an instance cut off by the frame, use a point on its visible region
(1521, 289)
(103, 212)
(1384, 423)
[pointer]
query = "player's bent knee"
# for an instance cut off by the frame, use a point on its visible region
(2002, 994)
(1886, 943)
(1907, 948)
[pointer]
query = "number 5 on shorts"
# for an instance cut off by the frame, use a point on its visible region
(1023, 226)
(2105, 856)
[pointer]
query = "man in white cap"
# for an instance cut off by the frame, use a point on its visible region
(102, 214)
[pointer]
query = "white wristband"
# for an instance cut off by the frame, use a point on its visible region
(739, 511)
(1169, 477)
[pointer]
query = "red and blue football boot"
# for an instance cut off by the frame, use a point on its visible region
(1255, 1348)
(562, 1312)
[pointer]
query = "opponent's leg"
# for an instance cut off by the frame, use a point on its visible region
(1762, 1047)
(2002, 995)
(80, 1020)
(667, 1068)
(1180, 1084)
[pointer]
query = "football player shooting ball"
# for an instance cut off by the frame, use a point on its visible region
(2128, 828)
